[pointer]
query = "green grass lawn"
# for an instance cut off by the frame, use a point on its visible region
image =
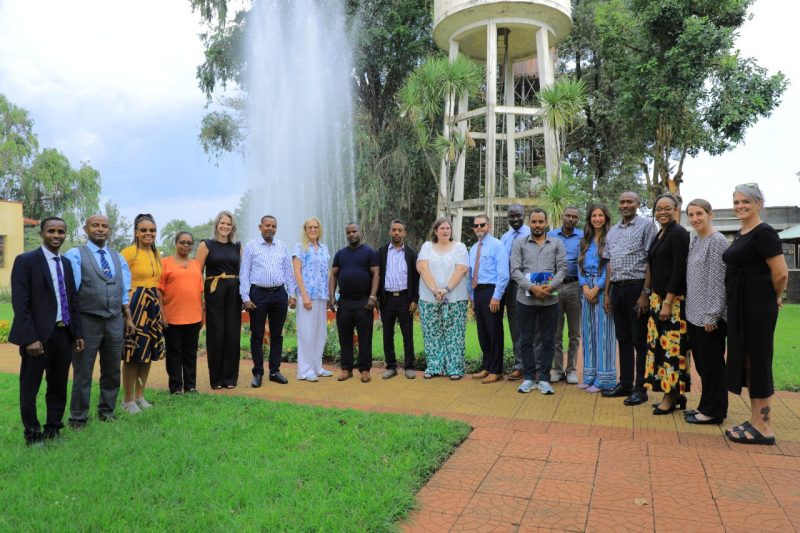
(786, 363)
(6, 312)
(216, 463)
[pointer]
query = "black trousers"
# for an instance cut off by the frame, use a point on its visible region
(181, 340)
(271, 305)
(395, 309)
(223, 329)
(537, 323)
(631, 331)
(54, 364)
(510, 304)
(490, 329)
(352, 315)
(708, 351)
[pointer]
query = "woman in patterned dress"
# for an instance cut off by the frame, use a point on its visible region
(666, 364)
(311, 262)
(705, 312)
(597, 326)
(147, 342)
(755, 278)
(443, 296)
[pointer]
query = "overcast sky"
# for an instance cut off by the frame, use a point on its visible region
(113, 83)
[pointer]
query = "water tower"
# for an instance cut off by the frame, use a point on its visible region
(506, 35)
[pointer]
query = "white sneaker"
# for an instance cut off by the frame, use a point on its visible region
(143, 404)
(572, 378)
(131, 408)
(325, 373)
(545, 387)
(555, 376)
(526, 386)
(312, 378)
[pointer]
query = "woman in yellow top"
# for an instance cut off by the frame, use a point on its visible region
(147, 342)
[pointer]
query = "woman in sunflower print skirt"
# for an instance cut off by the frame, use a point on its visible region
(147, 342)
(666, 364)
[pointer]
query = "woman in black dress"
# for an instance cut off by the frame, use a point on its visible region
(755, 279)
(666, 365)
(220, 257)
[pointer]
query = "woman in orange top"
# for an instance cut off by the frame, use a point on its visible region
(147, 342)
(182, 294)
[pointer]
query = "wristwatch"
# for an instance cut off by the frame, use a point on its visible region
(647, 291)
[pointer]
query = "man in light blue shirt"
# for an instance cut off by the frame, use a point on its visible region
(489, 275)
(517, 229)
(103, 280)
(569, 298)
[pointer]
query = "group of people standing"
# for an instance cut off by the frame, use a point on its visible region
(648, 288)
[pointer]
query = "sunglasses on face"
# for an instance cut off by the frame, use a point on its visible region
(479, 225)
(147, 230)
(186, 243)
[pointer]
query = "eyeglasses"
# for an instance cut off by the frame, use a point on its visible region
(147, 230)
(479, 225)
(186, 243)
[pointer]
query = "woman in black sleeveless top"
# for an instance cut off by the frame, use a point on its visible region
(220, 257)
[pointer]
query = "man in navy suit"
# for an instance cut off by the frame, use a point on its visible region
(46, 327)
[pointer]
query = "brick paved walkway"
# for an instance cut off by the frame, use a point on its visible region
(571, 461)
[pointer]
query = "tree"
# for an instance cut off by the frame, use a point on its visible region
(678, 85)
(435, 81)
(18, 145)
(120, 235)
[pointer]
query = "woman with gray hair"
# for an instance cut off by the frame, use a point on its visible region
(220, 257)
(705, 312)
(755, 278)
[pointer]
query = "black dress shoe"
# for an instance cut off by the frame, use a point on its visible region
(51, 434)
(617, 392)
(256, 383)
(77, 424)
(107, 417)
(692, 419)
(636, 398)
(277, 377)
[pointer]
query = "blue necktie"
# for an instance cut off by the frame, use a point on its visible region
(62, 291)
(104, 264)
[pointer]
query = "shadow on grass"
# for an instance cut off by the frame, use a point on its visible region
(203, 462)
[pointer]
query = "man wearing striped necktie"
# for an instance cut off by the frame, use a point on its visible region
(103, 281)
(46, 327)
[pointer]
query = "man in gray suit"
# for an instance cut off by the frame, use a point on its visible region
(103, 280)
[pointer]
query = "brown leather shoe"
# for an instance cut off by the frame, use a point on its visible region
(365, 377)
(480, 375)
(492, 378)
(345, 375)
(515, 375)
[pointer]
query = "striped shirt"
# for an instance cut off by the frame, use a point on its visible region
(265, 265)
(627, 246)
(396, 269)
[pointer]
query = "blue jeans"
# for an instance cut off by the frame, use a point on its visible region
(537, 321)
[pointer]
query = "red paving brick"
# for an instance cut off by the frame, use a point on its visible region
(623, 471)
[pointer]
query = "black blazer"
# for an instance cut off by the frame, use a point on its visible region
(34, 300)
(413, 275)
(667, 257)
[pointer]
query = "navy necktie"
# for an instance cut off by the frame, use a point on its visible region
(104, 264)
(62, 291)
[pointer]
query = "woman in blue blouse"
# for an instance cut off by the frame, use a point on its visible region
(597, 328)
(311, 262)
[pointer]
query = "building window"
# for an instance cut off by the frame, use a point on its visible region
(2, 251)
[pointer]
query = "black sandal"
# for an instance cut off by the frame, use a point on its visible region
(740, 435)
(692, 419)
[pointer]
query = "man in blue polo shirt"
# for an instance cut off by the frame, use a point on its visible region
(569, 299)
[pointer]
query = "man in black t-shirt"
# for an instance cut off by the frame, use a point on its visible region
(356, 270)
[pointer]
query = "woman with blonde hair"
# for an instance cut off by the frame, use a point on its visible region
(755, 278)
(146, 344)
(443, 295)
(220, 257)
(311, 263)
